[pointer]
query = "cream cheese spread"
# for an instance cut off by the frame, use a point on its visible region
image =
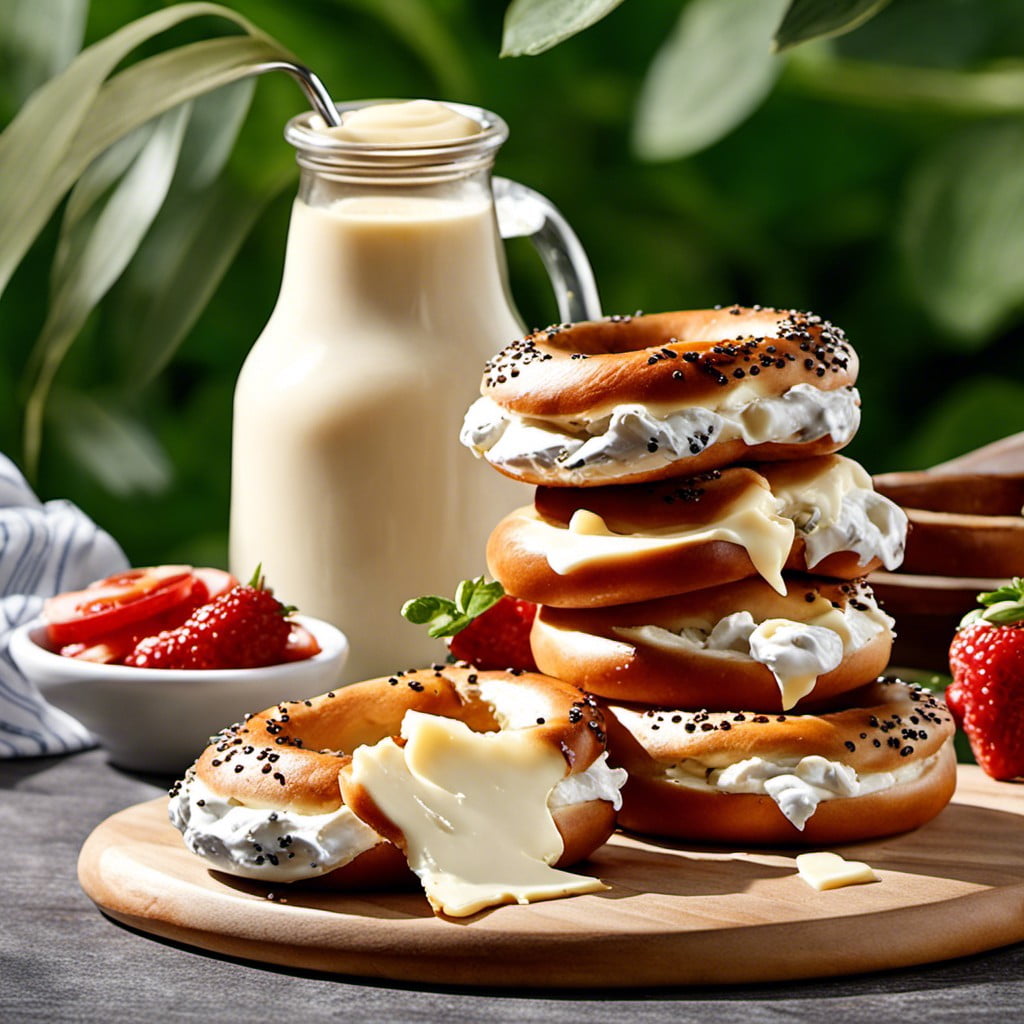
(795, 652)
(634, 438)
(284, 846)
(839, 510)
(797, 786)
(264, 843)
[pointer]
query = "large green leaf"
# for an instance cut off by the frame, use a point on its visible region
(111, 444)
(38, 39)
(963, 230)
(975, 412)
(533, 26)
(63, 127)
(812, 19)
(710, 75)
(192, 255)
(109, 236)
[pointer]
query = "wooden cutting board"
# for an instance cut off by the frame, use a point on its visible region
(673, 915)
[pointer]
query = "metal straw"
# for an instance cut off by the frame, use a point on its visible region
(311, 85)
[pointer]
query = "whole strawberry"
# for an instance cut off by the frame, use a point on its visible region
(986, 659)
(485, 626)
(245, 628)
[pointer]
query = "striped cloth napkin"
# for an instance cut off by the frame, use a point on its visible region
(44, 549)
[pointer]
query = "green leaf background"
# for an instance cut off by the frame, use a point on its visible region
(847, 156)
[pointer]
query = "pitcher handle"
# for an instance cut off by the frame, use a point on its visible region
(524, 213)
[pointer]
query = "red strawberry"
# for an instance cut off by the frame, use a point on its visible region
(499, 638)
(243, 628)
(986, 659)
(487, 628)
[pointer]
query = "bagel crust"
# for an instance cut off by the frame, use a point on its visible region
(285, 765)
(676, 536)
(882, 764)
(631, 399)
(636, 653)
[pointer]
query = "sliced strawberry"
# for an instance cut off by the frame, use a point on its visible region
(301, 644)
(244, 628)
(498, 638)
(112, 604)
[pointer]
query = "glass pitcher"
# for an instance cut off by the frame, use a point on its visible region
(349, 484)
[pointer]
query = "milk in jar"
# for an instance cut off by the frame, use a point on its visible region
(349, 485)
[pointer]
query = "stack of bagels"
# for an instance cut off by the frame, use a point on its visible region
(697, 549)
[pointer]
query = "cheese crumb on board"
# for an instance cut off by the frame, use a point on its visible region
(830, 871)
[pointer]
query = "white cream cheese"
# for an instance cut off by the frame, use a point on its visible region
(473, 810)
(795, 652)
(797, 786)
(258, 842)
(634, 438)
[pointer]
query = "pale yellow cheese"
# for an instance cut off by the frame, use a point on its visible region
(752, 521)
(473, 808)
(830, 871)
(804, 487)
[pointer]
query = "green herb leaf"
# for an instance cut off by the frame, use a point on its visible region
(445, 617)
(533, 26)
(710, 75)
(813, 19)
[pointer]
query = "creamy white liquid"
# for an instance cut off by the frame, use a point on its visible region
(348, 484)
(412, 121)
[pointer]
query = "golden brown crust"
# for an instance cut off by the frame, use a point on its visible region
(289, 755)
(518, 553)
(899, 722)
(691, 357)
(656, 807)
(584, 647)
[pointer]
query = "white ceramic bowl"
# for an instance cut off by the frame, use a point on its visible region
(159, 720)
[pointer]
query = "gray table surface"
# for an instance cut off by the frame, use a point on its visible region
(62, 960)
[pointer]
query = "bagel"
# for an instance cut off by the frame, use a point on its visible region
(738, 645)
(884, 764)
(275, 798)
(634, 399)
(583, 548)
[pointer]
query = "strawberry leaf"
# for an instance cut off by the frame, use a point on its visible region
(444, 617)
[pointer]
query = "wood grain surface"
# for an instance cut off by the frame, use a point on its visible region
(673, 916)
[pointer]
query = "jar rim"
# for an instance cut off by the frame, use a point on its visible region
(305, 133)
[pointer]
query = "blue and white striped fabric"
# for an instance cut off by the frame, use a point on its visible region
(44, 549)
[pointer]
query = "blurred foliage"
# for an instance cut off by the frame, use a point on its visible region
(873, 176)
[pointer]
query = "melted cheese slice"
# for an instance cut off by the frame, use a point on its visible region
(473, 808)
(806, 487)
(752, 521)
(830, 871)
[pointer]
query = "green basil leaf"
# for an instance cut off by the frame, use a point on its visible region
(533, 26)
(813, 19)
(710, 75)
